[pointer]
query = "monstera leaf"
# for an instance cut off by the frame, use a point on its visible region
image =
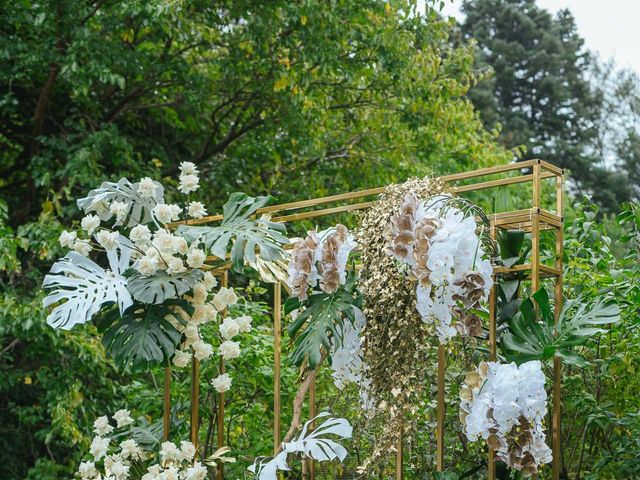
(142, 337)
(321, 320)
(248, 234)
(122, 191)
(161, 286)
(317, 445)
(84, 286)
(531, 331)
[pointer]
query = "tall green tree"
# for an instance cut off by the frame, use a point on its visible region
(539, 93)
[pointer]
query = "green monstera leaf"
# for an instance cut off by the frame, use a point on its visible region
(142, 337)
(530, 335)
(161, 286)
(248, 234)
(322, 320)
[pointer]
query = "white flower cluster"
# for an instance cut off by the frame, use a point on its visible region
(445, 254)
(320, 259)
(505, 405)
(346, 357)
(114, 461)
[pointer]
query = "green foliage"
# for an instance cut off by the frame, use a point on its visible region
(161, 286)
(320, 321)
(248, 234)
(142, 337)
(532, 331)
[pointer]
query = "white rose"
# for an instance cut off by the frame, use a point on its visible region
(147, 188)
(229, 350)
(188, 168)
(224, 298)
(202, 350)
(83, 247)
(87, 470)
(204, 314)
(209, 281)
(147, 265)
(171, 473)
(108, 239)
(169, 451)
(196, 258)
(191, 333)
(244, 323)
(200, 293)
(101, 426)
(119, 470)
(129, 449)
(188, 183)
(140, 234)
(196, 210)
(67, 239)
(188, 451)
(175, 266)
(181, 359)
(165, 241)
(166, 213)
(122, 418)
(222, 383)
(119, 209)
(229, 328)
(180, 245)
(197, 472)
(99, 447)
(90, 223)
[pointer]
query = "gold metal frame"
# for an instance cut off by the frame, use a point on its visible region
(532, 220)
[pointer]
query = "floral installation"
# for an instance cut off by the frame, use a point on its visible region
(115, 454)
(505, 405)
(317, 444)
(156, 273)
(440, 245)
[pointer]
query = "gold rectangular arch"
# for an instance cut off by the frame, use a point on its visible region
(534, 219)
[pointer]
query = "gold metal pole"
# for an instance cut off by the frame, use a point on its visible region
(557, 364)
(166, 407)
(195, 399)
(535, 230)
(277, 329)
(491, 467)
(220, 433)
(442, 365)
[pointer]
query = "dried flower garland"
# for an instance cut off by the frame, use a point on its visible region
(505, 405)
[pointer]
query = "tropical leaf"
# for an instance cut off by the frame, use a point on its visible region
(317, 445)
(530, 335)
(84, 286)
(122, 191)
(143, 337)
(161, 286)
(248, 234)
(321, 320)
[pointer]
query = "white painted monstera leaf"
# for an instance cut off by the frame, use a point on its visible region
(99, 199)
(84, 286)
(317, 445)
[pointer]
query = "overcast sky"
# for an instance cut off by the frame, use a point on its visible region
(609, 27)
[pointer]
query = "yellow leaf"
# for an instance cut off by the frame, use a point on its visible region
(27, 380)
(387, 8)
(303, 20)
(280, 84)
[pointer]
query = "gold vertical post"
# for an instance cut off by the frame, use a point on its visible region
(277, 328)
(195, 399)
(491, 467)
(441, 409)
(557, 365)
(535, 230)
(166, 407)
(220, 433)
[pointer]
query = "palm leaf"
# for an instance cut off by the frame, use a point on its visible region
(142, 337)
(530, 334)
(161, 286)
(322, 320)
(248, 234)
(122, 191)
(84, 286)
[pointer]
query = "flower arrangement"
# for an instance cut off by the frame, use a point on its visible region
(445, 255)
(115, 454)
(505, 405)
